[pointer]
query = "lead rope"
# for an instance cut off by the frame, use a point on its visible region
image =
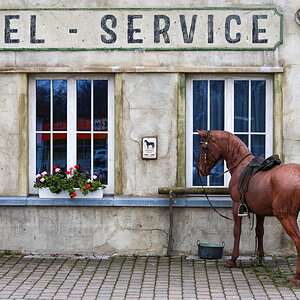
(201, 181)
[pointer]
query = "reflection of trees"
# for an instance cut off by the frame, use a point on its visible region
(100, 100)
(83, 99)
(43, 104)
(59, 103)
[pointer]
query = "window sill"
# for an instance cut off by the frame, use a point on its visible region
(116, 201)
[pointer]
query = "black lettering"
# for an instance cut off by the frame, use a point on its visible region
(188, 38)
(256, 30)
(163, 31)
(132, 30)
(227, 29)
(210, 24)
(8, 30)
(113, 36)
(33, 39)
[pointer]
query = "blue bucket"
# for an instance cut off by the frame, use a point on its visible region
(210, 251)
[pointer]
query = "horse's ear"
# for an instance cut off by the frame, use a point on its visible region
(202, 132)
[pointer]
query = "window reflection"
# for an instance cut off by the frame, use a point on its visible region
(100, 156)
(217, 104)
(241, 105)
(59, 105)
(43, 105)
(258, 105)
(258, 145)
(100, 105)
(84, 151)
(200, 100)
(84, 105)
(60, 150)
(196, 155)
(42, 152)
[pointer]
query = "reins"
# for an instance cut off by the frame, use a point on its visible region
(230, 169)
(211, 205)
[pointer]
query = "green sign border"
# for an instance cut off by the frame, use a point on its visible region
(148, 49)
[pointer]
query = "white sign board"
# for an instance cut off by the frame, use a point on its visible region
(149, 147)
(145, 29)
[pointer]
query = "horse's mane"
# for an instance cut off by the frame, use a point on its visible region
(230, 145)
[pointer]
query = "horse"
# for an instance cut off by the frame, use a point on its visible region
(275, 192)
(149, 144)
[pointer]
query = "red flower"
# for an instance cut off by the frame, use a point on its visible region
(68, 172)
(76, 166)
(54, 168)
(74, 195)
(87, 186)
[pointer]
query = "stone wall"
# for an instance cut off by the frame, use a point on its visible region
(124, 230)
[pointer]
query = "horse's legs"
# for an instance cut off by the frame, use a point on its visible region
(259, 230)
(291, 227)
(236, 234)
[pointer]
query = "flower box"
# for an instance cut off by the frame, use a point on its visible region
(69, 184)
(45, 193)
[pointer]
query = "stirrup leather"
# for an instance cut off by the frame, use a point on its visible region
(243, 210)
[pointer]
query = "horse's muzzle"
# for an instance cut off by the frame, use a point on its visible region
(203, 172)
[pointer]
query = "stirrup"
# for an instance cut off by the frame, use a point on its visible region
(243, 210)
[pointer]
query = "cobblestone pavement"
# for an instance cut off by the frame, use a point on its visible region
(30, 277)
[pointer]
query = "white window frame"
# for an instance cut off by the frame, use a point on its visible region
(229, 114)
(71, 124)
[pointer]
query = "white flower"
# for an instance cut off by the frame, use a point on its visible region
(38, 176)
(44, 173)
(42, 179)
(89, 180)
(95, 176)
(57, 170)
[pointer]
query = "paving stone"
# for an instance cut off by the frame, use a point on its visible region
(143, 278)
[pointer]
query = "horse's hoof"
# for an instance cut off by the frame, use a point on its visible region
(231, 264)
(293, 282)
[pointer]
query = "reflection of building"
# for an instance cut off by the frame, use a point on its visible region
(90, 95)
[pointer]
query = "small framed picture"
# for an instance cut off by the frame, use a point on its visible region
(149, 147)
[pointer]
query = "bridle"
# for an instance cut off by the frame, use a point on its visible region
(206, 150)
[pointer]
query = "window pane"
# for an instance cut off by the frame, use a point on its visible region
(258, 106)
(241, 105)
(60, 150)
(42, 153)
(100, 156)
(217, 105)
(244, 138)
(100, 105)
(200, 88)
(84, 105)
(196, 155)
(217, 180)
(59, 105)
(84, 151)
(258, 145)
(43, 105)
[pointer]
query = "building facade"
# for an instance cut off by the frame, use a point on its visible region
(121, 89)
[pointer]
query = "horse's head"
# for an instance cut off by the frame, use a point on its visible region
(210, 153)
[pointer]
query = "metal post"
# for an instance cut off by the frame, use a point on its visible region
(170, 243)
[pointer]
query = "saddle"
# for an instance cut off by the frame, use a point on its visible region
(256, 165)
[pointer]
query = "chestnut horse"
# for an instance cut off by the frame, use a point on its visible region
(270, 193)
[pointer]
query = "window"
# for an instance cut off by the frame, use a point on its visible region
(239, 104)
(71, 122)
